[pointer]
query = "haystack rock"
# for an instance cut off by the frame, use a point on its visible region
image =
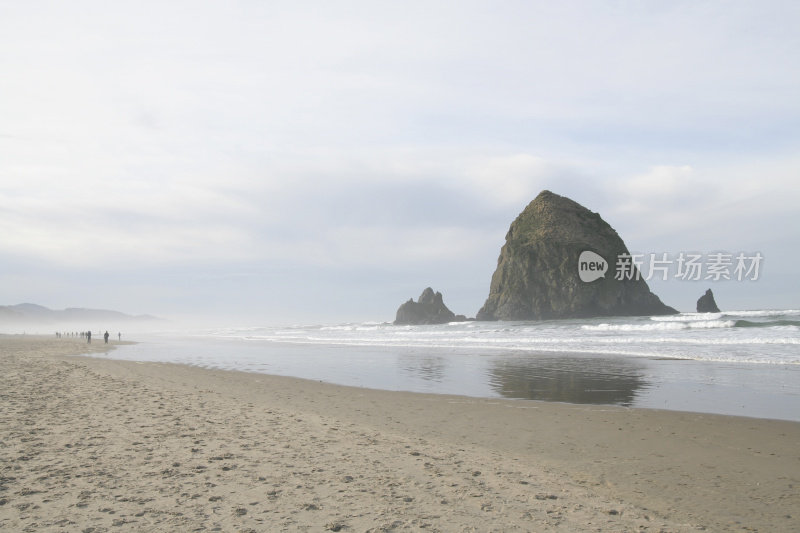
(706, 303)
(429, 309)
(539, 277)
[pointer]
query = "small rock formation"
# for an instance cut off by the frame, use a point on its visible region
(706, 303)
(429, 309)
(537, 275)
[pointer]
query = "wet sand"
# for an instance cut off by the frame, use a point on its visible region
(89, 444)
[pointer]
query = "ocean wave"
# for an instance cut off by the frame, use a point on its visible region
(765, 313)
(785, 328)
(767, 324)
(661, 326)
(524, 343)
(687, 317)
(697, 317)
(651, 348)
(768, 336)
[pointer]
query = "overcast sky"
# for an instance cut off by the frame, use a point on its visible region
(325, 161)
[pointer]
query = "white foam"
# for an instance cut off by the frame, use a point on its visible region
(785, 328)
(764, 313)
(687, 317)
(661, 326)
(713, 324)
(700, 336)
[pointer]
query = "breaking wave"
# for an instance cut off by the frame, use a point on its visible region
(661, 326)
(764, 337)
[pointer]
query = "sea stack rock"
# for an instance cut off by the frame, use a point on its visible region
(538, 275)
(706, 303)
(429, 309)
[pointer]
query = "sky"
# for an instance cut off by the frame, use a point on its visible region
(283, 162)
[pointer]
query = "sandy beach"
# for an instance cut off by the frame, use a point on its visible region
(91, 444)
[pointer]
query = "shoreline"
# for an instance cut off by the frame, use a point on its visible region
(344, 458)
(463, 396)
(770, 391)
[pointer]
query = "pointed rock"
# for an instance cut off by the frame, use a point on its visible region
(706, 303)
(428, 309)
(537, 275)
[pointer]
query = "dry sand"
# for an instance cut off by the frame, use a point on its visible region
(100, 445)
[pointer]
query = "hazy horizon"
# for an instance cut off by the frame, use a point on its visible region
(325, 162)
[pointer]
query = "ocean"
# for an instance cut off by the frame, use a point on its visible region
(735, 363)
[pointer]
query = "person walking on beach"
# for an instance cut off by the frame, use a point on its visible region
(89, 336)
(119, 336)
(105, 337)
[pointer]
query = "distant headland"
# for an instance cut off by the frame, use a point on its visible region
(34, 314)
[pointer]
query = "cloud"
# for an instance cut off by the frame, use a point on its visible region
(335, 135)
(510, 180)
(99, 222)
(182, 212)
(741, 202)
(383, 247)
(669, 186)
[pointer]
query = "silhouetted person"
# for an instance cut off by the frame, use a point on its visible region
(89, 337)
(105, 337)
(119, 336)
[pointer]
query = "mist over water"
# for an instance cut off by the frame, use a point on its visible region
(736, 362)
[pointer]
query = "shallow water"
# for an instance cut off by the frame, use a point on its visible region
(745, 363)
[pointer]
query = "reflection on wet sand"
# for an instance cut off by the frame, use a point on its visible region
(565, 379)
(429, 368)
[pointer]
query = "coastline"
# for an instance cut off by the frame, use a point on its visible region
(101, 443)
